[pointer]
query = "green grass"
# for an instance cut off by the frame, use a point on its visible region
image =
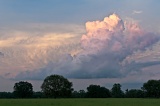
(80, 102)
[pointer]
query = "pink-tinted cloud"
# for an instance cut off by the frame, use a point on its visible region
(105, 46)
(112, 34)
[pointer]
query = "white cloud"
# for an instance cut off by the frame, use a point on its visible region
(105, 48)
(29, 50)
(137, 12)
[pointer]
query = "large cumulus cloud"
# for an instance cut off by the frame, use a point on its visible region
(105, 47)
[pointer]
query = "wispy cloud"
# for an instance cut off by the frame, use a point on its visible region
(137, 12)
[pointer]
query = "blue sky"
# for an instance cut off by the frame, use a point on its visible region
(20, 12)
(71, 11)
(36, 35)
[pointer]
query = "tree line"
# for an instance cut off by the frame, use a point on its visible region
(56, 86)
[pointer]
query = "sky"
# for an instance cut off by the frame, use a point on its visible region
(87, 41)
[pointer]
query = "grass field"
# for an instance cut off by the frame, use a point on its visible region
(80, 102)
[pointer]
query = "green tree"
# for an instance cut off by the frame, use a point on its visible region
(152, 88)
(134, 93)
(116, 91)
(23, 89)
(6, 95)
(57, 86)
(95, 91)
(79, 94)
(38, 95)
(82, 94)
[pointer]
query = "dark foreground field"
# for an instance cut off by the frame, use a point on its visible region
(80, 102)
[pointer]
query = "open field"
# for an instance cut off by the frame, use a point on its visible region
(80, 102)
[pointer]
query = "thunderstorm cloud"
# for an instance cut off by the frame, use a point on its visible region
(103, 52)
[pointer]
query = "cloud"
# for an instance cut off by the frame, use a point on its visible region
(137, 12)
(1, 54)
(30, 50)
(7, 85)
(105, 47)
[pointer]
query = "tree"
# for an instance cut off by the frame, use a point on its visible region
(95, 91)
(38, 95)
(79, 94)
(116, 91)
(82, 94)
(152, 88)
(56, 86)
(23, 89)
(6, 95)
(134, 93)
